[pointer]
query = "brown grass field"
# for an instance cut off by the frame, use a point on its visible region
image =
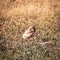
(16, 16)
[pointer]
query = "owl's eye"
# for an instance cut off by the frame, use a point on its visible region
(32, 29)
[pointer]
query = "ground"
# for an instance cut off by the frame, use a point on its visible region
(16, 16)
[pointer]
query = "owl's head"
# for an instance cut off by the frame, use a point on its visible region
(32, 28)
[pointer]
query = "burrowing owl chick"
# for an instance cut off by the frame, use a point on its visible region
(29, 32)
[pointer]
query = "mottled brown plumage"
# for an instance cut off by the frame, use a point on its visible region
(29, 32)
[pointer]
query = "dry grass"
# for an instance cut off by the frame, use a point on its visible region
(16, 16)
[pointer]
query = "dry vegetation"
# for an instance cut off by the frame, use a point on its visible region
(16, 16)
